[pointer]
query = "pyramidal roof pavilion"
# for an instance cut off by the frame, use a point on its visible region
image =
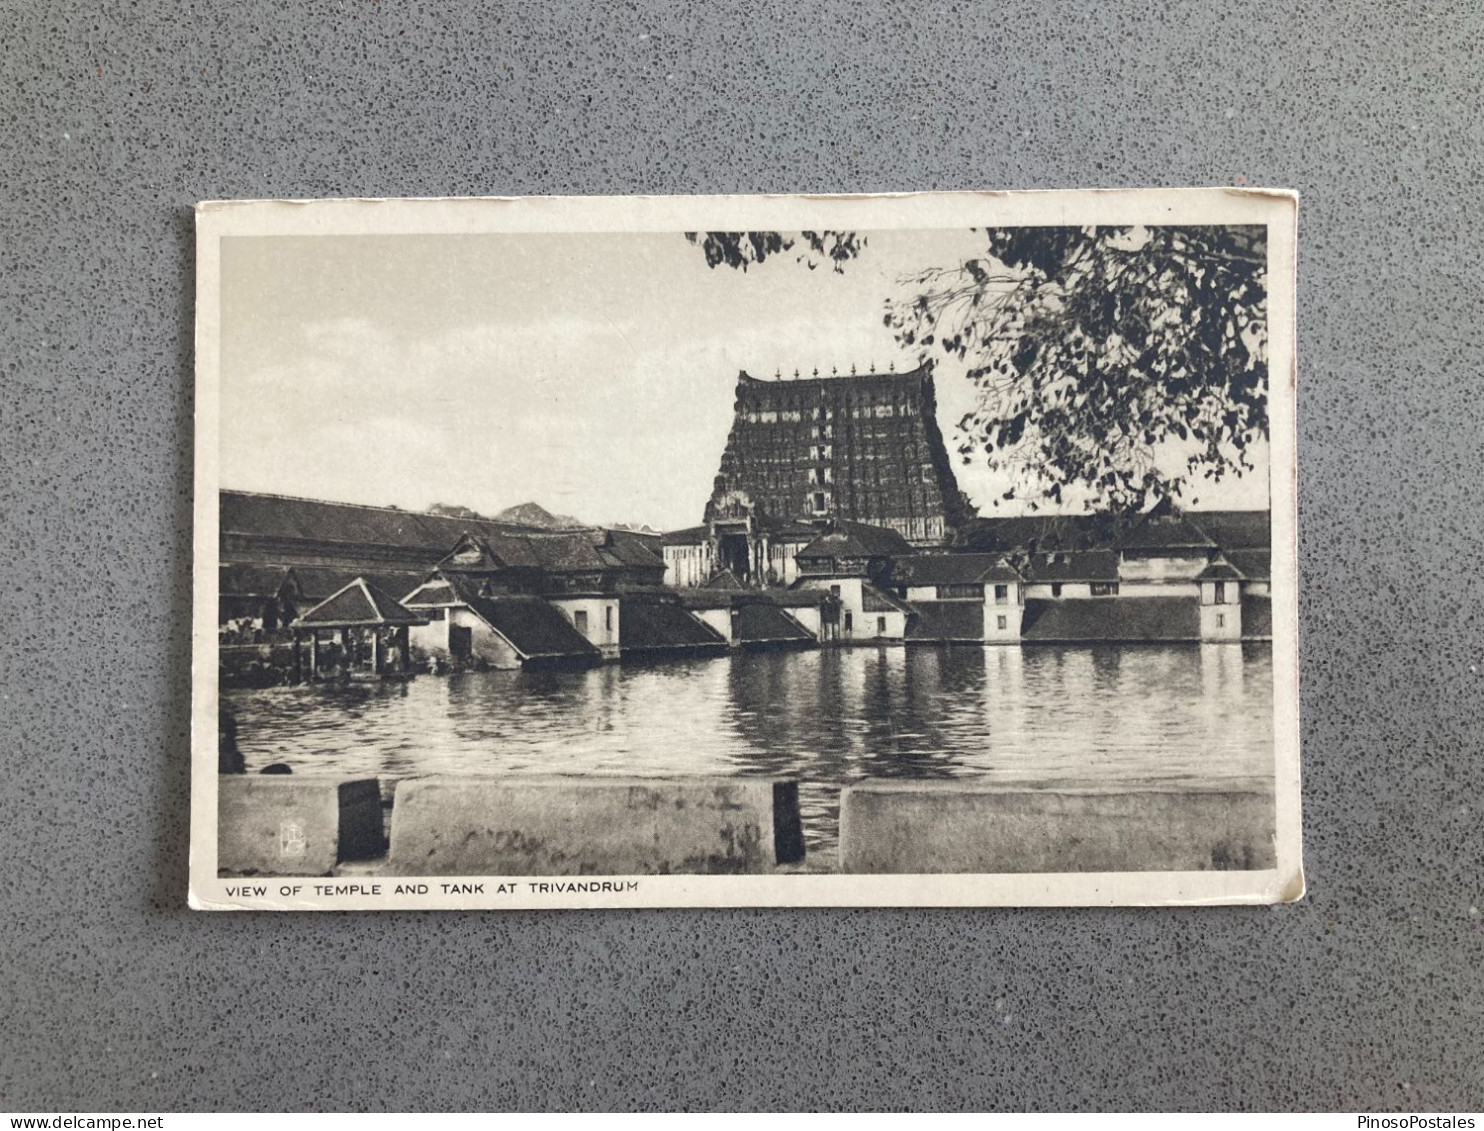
(361, 604)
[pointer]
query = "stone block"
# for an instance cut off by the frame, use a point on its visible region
(579, 826)
(295, 826)
(986, 826)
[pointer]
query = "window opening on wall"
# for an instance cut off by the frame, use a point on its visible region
(948, 592)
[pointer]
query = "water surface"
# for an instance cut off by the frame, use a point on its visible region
(830, 717)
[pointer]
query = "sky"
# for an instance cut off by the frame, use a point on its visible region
(593, 374)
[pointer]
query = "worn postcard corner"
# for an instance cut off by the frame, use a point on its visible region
(898, 550)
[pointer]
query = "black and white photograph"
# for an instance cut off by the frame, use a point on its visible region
(898, 550)
(665, 557)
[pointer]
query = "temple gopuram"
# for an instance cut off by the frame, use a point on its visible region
(813, 453)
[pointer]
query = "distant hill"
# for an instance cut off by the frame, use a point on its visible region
(449, 510)
(534, 514)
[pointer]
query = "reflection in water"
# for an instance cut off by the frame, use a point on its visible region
(828, 717)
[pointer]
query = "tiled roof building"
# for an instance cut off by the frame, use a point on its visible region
(361, 604)
(658, 624)
(852, 547)
(947, 622)
(1128, 620)
(951, 569)
(280, 528)
(502, 629)
(281, 555)
(1163, 577)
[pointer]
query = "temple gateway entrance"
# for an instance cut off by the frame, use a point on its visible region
(733, 553)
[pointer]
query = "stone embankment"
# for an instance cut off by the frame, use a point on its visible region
(982, 825)
(599, 825)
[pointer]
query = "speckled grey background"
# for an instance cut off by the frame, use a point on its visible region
(115, 118)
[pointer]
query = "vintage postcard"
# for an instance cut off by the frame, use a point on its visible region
(923, 549)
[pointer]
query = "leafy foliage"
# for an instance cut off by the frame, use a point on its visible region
(742, 249)
(1098, 352)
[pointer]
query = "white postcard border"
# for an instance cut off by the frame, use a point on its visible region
(1277, 210)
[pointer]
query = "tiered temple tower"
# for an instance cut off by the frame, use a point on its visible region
(860, 448)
